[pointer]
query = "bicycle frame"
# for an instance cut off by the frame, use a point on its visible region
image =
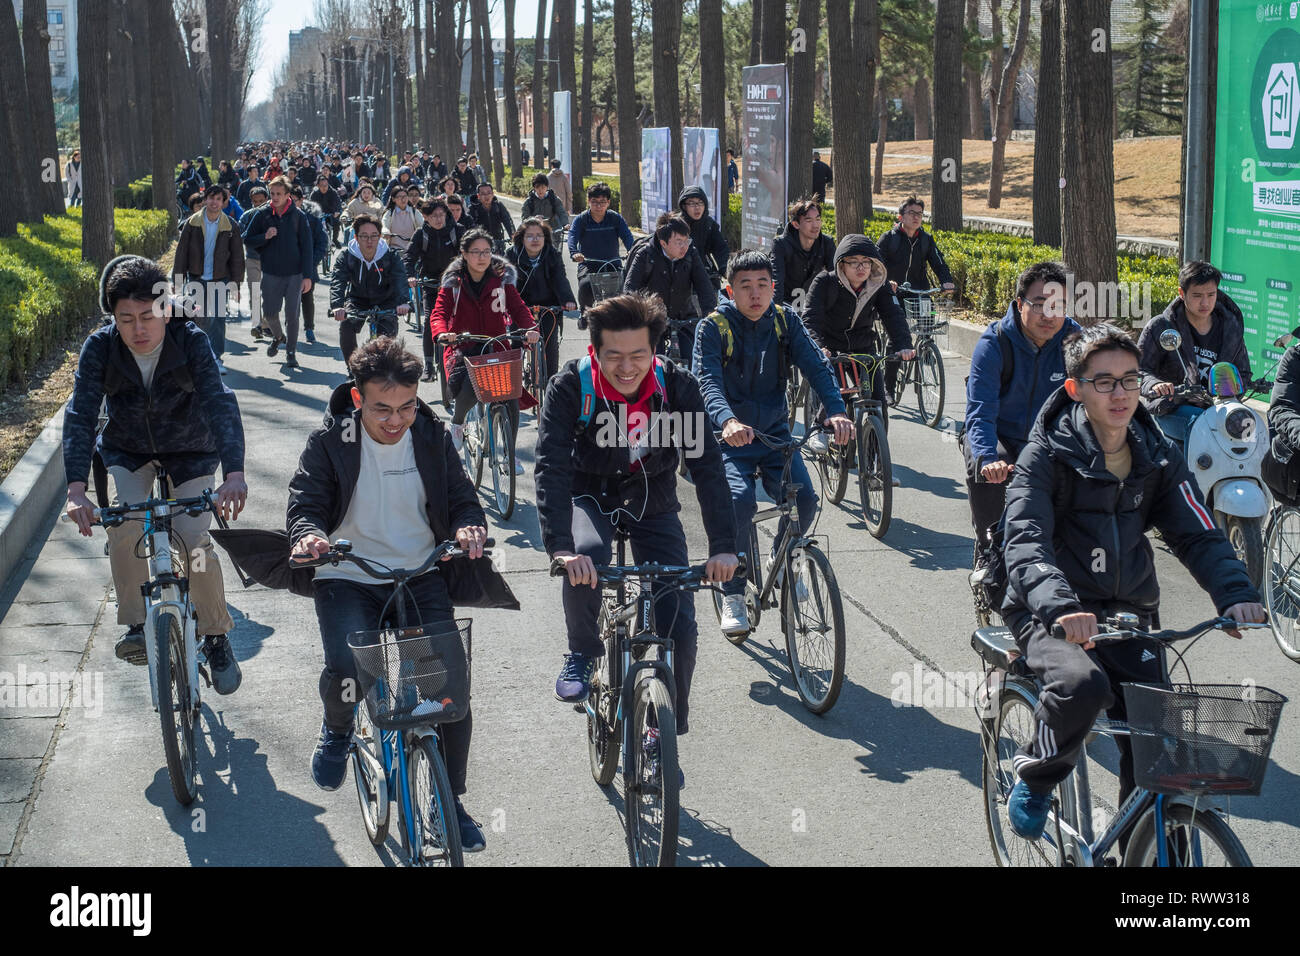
(788, 542)
(165, 590)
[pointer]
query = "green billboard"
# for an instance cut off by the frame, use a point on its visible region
(1256, 226)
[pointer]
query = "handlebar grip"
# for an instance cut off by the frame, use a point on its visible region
(557, 568)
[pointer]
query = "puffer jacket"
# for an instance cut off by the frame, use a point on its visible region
(1160, 366)
(548, 207)
(649, 269)
(841, 321)
(431, 251)
(357, 287)
(1098, 559)
(544, 283)
(320, 239)
(905, 259)
(706, 234)
(795, 267)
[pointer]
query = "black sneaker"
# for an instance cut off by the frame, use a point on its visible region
(311, 336)
(329, 764)
(275, 346)
(256, 332)
(471, 834)
(130, 646)
(428, 371)
(289, 360)
(226, 675)
(582, 322)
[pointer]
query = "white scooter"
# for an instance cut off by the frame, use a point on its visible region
(1225, 448)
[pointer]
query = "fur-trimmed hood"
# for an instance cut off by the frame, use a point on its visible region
(501, 266)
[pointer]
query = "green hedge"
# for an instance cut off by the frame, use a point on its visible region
(139, 193)
(47, 291)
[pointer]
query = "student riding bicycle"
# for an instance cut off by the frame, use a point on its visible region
(432, 249)
(669, 266)
(1096, 474)
(366, 275)
(379, 437)
(166, 405)
(542, 282)
(742, 377)
(594, 234)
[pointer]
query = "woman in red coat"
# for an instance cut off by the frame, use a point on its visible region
(478, 296)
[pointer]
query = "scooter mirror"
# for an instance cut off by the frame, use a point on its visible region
(1170, 340)
(1286, 338)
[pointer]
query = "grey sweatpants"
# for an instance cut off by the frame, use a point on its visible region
(286, 290)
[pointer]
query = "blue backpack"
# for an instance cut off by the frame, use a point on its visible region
(585, 376)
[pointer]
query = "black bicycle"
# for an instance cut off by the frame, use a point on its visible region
(606, 279)
(927, 318)
(380, 321)
(427, 294)
(673, 352)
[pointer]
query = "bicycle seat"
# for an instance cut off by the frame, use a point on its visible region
(995, 646)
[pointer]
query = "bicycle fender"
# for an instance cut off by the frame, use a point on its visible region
(1241, 497)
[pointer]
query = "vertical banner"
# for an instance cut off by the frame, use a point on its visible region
(763, 171)
(562, 103)
(1255, 239)
(656, 175)
(702, 157)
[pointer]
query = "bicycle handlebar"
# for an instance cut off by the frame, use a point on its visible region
(795, 443)
(341, 550)
(1166, 636)
(906, 289)
(681, 576)
(116, 514)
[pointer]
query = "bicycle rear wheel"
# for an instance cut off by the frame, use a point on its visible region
(930, 382)
(474, 445)
(501, 451)
(901, 382)
(875, 475)
(372, 789)
(1282, 587)
(603, 742)
(796, 393)
(176, 706)
(650, 782)
(1192, 838)
(834, 464)
(433, 809)
(1012, 729)
(812, 617)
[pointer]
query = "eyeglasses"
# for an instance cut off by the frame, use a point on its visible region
(368, 237)
(383, 413)
(1039, 306)
(479, 252)
(1105, 384)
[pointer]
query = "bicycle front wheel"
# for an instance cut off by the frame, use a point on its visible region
(501, 451)
(433, 810)
(834, 463)
(372, 788)
(1013, 728)
(176, 706)
(1282, 589)
(602, 728)
(875, 475)
(901, 381)
(930, 383)
(650, 781)
(473, 445)
(812, 616)
(1192, 838)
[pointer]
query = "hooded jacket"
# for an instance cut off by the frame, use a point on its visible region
(905, 259)
(431, 251)
(706, 234)
(1160, 366)
(795, 268)
(1284, 407)
(839, 320)
(495, 219)
(396, 180)
(650, 269)
(356, 286)
(598, 240)
(227, 257)
(993, 415)
(1098, 559)
(402, 225)
(329, 201)
(544, 283)
(547, 207)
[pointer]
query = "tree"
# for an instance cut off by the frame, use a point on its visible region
(756, 32)
(582, 165)
(512, 102)
(945, 174)
(1151, 75)
(1003, 99)
(92, 65)
(1088, 208)
(803, 68)
(713, 66)
(854, 54)
(1047, 130)
(666, 36)
(772, 44)
(490, 124)
(446, 65)
(921, 108)
(40, 93)
(26, 170)
(219, 22)
(974, 118)
(162, 33)
(539, 91)
(629, 133)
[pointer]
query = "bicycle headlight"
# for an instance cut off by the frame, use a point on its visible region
(1240, 424)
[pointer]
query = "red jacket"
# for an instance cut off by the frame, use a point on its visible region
(457, 310)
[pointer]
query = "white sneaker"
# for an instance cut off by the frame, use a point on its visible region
(819, 444)
(735, 618)
(457, 436)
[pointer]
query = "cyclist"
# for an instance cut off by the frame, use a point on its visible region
(744, 390)
(801, 253)
(594, 234)
(543, 202)
(907, 249)
(459, 218)
(843, 306)
(432, 249)
(331, 206)
(542, 281)
(1281, 468)
(401, 220)
(1212, 329)
(364, 203)
(477, 296)
(491, 215)
(1016, 364)
(414, 495)
(466, 181)
(403, 180)
(1096, 474)
(366, 275)
(670, 266)
(706, 234)
(585, 480)
(166, 404)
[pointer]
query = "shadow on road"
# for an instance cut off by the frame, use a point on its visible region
(927, 548)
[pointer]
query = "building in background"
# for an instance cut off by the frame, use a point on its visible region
(62, 20)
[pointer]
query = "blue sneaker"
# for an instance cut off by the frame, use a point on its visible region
(311, 336)
(329, 764)
(1028, 811)
(471, 834)
(574, 683)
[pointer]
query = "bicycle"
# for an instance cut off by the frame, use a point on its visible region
(927, 318)
(1189, 741)
(1282, 577)
(633, 692)
(170, 626)
(673, 350)
(606, 281)
(813, 622)
(870, 452)
(411, 680)
(377, 319)
(427, 292)
(537, 372)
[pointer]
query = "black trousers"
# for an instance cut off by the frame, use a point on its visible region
(350, 329)
(986, 498)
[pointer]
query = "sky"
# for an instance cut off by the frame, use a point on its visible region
(286, 15)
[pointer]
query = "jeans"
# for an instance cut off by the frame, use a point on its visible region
(1178, 423)
(211, 316)
(740, 464)
(343, 607)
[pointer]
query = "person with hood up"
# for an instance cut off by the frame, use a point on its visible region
(543, 202)
(404, 178)
(706, 234)
(801, 253)
(669, 266)
(432, 249)
(363, 203)
(542, 282)
(366, 275)
(401, 219)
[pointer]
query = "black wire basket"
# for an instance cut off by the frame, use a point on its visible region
(414, 677)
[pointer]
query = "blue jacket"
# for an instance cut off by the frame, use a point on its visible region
(233, 209)
(599, 240)
(244, 220)
(290, 252)
(992, 417)
(749, 388)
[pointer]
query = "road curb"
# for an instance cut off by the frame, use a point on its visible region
(30, 492)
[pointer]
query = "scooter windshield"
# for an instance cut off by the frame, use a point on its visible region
(1225, 380)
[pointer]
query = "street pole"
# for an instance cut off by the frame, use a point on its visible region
(1195, 132)
(361, 102)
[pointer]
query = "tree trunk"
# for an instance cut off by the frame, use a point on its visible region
(218, 21)
(421, 95)
(540, 110)
(582, 165)
(629, 132)
(489, 91)
(474, 127)
(772, 45)
(1004, 106)
(803, 68)
(666, 36)
(1088, 207)
(713, 67)
(921, 108)
(1047, 130)
(92, 65)
(882, 136)
(853, 56)
(945, 175)
(26, 170)
(756, 32)
(446, 86)
(512, 101)
(40, 94)
(162, 32)
(974, 116)
(140, 100)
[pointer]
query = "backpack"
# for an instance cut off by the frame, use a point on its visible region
(587, 379)
(782, 336)
(641, 242)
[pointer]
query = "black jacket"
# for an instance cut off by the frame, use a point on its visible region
(843, 322)
(430, 252)
(649, 269)
(545, 284)
(329, 201)
(572, 462)
(706, 234)
(355, 287)
(322, 487)
(244, 192)
(495, 219)
(1284, 406)
(821, 178)
(1160, 366)
(1098, 559)
(548, 208)
(466, 182)
(905, 259)
(794, 268)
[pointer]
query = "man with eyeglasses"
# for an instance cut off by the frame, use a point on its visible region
(367, 275)
(1017, 363)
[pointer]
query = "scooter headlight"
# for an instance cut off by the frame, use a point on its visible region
(1240, 424)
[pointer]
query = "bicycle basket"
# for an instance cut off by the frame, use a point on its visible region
(496, 376)
(926, 316)
(416, 676)
(1202, 739)
(605, 284)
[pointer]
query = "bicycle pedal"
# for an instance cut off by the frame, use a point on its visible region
(580, 708)
(204, 671)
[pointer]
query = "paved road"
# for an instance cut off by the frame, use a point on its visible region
(768, 783)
